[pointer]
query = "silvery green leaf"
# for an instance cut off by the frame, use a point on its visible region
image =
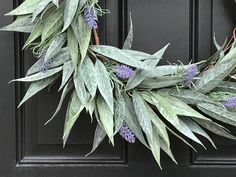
(181, 108)
(74, 109)
(182, 139)
(39, 76)
(21, 24)
(27, 7)
(66, 74)
(55, 46)
(37, 86)
(130, 36)
(73, 47)
(40, 7)
(159, 126)
(188, 96)
(99, 135)
(65, 91)
(56, 2)
(53, 23)
(185, 130)
(119, 114)
(62, 57)
(215, 128)
(81, 4)
(194, 127)
(90, 107)
(88, 72)
(163, 107)
(36, 32)
(229, 55)
(156, 57)
(226, 86)
(209, 80)
(106, 117)
(142, 114)
(69, 12)
(119, 55)
(234, 77)
(104, 84)
(160, 82)
(137, 54)
(218, 113)
(132, 121)
(84, 36)
(218, 47)
(80, 89)
(155, 147)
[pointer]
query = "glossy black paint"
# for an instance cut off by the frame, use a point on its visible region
(30, 149)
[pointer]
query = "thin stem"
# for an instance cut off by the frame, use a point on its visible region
(96, 37)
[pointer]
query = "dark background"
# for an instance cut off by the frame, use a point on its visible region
(30, 149)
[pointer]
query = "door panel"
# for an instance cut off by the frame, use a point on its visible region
(30, 149)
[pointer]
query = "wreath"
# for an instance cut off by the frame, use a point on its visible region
(125, 90)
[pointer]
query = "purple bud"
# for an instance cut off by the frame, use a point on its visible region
(124, 72)
(189, 74)
(127, 134)
(230, 102)
(44, 65)
(90, 17)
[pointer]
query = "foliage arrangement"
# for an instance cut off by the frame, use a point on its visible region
(123, 89)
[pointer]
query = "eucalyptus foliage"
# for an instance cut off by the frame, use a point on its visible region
(124, 89)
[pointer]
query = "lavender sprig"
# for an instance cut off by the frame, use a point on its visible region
(124, 72)
(90, 17)
(189, 74)
(44, 65)
(127, 134)
(230, 102)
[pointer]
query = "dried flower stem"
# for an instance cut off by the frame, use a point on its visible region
(96, 37)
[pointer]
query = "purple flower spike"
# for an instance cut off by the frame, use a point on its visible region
(230, 102)
(90, 17)
(124, 72)
(44, 65)
(127, 134)
(189, 74)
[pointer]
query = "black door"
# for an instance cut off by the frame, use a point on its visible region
(30, 149)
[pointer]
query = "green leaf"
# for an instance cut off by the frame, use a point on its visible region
(215, 75)
(119, 115)
(55, 46)
(84, 36)
(194, 127)
(142, 114)
(106, 117)
(160, 82)
(132, 121)
(163, 107)
(226, 86)
(104, 84)
(69, 12)
(80, 88)
(215, 128)
(36, 32)
(119, 55)
(185, 130)
(56, 2)
(218, 113)
(66, 74)
(62, 57)
(99, 135)
(188, 96)
(73, 47)
(129, 39)
(88, 72)
(21, 24)
(73, 111)
(40, 7)
(181, 108)
(53, 23)
(66, 90)
(37, 86)
(27, 7)
(39, 76)
(159, 126)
